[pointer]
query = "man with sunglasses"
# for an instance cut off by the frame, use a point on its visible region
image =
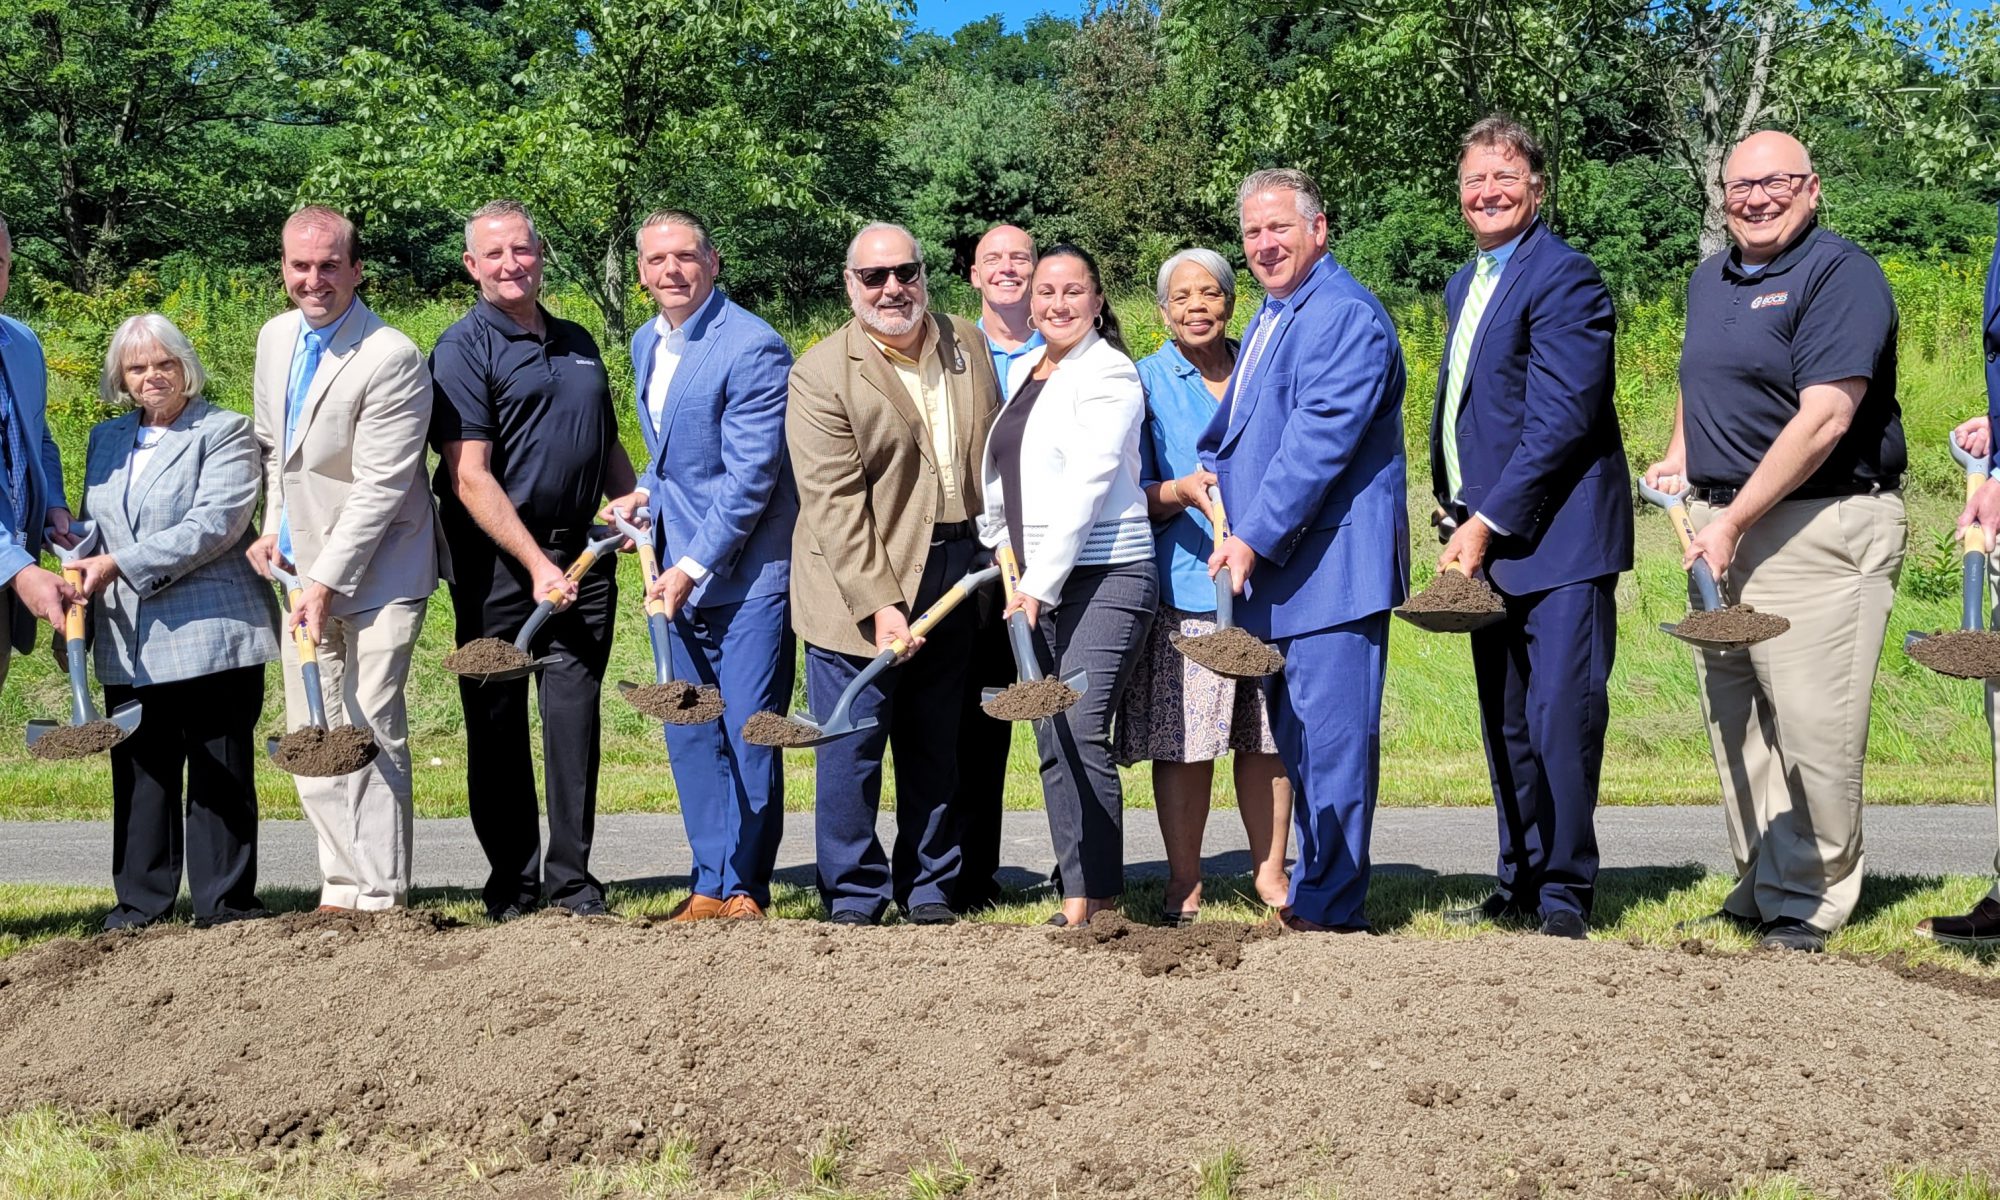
(886, 427)
(1789, 441)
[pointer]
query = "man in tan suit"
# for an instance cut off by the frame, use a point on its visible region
(343, 403)
(886, 427)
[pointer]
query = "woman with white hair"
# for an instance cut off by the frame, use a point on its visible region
(1180, 715)
(183, 625)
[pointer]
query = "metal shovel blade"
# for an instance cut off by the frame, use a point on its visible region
(1444, 621)
(125, 717)
(1078, 682)
(527, 668)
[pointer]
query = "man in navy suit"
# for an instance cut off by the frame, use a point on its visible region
(1308, 446)
(1529, 473)
(712, 383)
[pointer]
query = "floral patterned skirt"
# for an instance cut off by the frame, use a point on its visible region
(1174, 710)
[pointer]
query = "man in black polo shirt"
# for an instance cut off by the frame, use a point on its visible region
(528, 441)
(1790, 437)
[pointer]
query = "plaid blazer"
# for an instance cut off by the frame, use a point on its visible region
(186, 601)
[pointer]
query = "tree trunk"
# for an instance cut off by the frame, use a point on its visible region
(610, 291)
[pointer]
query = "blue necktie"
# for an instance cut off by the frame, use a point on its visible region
(1266, 322)
(15, 444)
(295, 405)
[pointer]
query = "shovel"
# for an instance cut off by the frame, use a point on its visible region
(528, 663)
(1230, 651)
(1709, 597)
(802, 730)
(82, 709)
(358, 756)
(1026, 667)
(657, 632)
(1975, 652)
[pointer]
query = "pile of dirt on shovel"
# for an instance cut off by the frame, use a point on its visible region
(77, 741)
(1456, 592)
(677, 702)
(1232, 652)
(486, 656)
(1031, 700)
(321, 753)
(1738, 624)
(1959, 653)
(771, 729)
(1500, 1066)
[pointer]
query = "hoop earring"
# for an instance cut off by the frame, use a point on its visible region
(1099, 322)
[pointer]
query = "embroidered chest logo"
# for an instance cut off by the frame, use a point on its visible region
(1770, 300)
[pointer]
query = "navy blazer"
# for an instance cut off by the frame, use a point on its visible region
(1538, 445)
(28, 384)
(1993, 336)
(1310, 459)
(721, 486)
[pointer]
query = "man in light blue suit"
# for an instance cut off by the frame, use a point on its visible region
(712, 383)
(1308, 448)
(30, 479)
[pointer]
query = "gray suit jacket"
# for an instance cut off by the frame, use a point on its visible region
(186, 601)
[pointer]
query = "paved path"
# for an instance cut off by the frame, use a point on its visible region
(651, 848)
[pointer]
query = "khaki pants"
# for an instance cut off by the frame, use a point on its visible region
(1788, 718)
(364, 820)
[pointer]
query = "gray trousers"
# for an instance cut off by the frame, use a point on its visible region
(1098, 627)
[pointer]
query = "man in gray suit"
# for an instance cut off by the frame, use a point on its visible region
(343, 404)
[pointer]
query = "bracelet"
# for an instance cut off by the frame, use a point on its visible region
(1178, 498)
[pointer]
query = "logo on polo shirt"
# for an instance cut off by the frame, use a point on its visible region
(1770, 300)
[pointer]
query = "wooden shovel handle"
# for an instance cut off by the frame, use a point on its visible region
(1010, 571)
(1975, 538)
(583, 563)
(649, 570)
(308, 653)
(73, 614)
(1221, 518)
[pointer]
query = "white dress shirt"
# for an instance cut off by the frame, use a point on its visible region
(666, 360)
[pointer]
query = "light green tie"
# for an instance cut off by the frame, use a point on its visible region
(1474, 308)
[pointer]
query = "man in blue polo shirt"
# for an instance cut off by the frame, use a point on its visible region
(528, 449)
(1790, 441)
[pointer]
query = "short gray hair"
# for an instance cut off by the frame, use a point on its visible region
(135, 331)
(1304, 191)
(680, 217)
(500, 208)
(916, 247)
(1208, 260)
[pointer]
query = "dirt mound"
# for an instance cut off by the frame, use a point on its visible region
(1232, 652)
(677, 702)
(1067, 1063)
(1031, 700)
(1959, 653)
(321, 753)
(77, 741)
(1453, 603)
(1734, 624)
(770, 729)
(486, 656)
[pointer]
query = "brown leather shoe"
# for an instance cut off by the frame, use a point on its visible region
(697, 907)
(741, 908)
(333, 908)
(1979, 928)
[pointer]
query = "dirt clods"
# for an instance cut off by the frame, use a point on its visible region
(321, 753)
(677, 702)
(486, 656)
(1959, 653)
(1732, 625)
(1206, 945)
(77, 741)
(1453, 603)
(770, 729)
(1031, 700)
(1233, 652)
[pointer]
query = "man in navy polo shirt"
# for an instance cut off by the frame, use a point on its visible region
(528, 444)
(1790, 440)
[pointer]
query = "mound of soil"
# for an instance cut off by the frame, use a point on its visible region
(320, 753)
(1453, 603)
(1232, 652)
(1055, 1064)
(1031, 700)
(1159, 951)
(677, 702)
(1735, 624)
(770, 729)
(77, 741)
(1959, 653)
(486, 656)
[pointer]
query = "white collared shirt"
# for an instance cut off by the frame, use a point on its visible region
(666, 360)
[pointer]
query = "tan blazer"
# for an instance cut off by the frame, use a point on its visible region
(868, 479)
(353, 482)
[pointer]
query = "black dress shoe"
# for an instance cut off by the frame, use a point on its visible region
(592, 907)
(931, 914)
(1496, 908)
(1793, 934)
(851, 916)
(1720, 916)
(513, 912)
(1979, 928)
(1565, 924)
(230, 917)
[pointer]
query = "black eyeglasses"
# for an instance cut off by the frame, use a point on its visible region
(874, 277)
(1777, 187)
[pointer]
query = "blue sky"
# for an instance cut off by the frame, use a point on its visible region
(946, 16)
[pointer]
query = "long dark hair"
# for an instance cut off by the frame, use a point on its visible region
(1108, 327)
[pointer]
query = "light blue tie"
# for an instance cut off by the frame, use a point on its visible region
(1267, 320)
(295, 405)
(1469, 314)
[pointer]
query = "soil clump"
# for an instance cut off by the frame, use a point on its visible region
(321, 753)
(770, 729)
(77, 741)
(1206, 945)
(1736, 624)
(1453, 603)
(1031, 700)
(677, 702)
(1233, 652)
(1959, 653)
(486, 656)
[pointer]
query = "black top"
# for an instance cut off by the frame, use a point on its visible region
(1819, 312)
(543, 403)
(1005, 437)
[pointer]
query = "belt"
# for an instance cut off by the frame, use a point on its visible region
(952, 531)
(1719, 496)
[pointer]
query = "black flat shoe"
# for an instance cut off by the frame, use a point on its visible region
(1178, 919)
(1978, 929)
(1794, 935)
(1564, 924)
(1500, 910)
(1721, 916)
(1059, 921)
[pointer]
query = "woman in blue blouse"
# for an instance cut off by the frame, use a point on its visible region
(1181, 716)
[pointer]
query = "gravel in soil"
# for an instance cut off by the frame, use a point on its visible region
(1089, 1062)
(321, 753)
(770, 729)
(1959, 653)
(677, 702)
(486, 656)
(1031, 700)
(1453, 603)
(77, 741)
(1233, 652)
(1734, 624)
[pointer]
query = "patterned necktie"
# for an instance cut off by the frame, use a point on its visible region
(15, 445)
(1469, 314)
(295, 405)
(1253, 350)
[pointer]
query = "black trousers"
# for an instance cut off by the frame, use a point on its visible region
(983, 745)
(492, 599)
(206, 725)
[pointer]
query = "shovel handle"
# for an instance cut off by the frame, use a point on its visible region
(1974, 540)
(1221, 519)
(649, 570)
(1225, 588)
(308, 661)
(308, 653)
(942, 606)
(73, 613)
(583, 563)
(1010, 571)
(1704, 585)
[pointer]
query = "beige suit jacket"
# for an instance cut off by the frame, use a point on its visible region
(353, 480)
(868, 477)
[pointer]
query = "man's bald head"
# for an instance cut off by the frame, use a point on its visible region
(1770, 194)
(1002, 264)
(1765, 152)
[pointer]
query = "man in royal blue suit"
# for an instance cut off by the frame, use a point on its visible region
(711, 389)
(1529, 473)
(1308, 446)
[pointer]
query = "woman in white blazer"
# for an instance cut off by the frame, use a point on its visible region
(1061, 478)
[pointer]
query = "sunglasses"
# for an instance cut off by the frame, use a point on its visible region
(874, 277)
